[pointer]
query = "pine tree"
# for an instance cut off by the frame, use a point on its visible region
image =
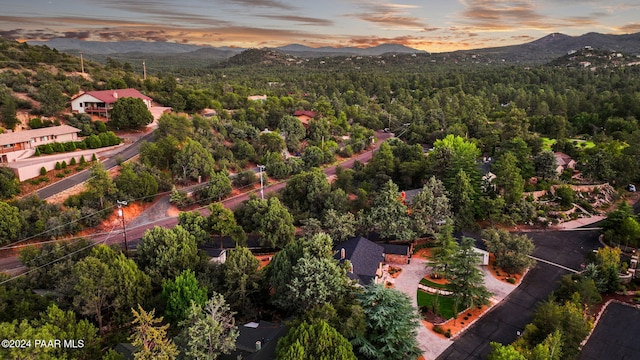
(150, 337)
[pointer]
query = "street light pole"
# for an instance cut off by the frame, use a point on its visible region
(124, 229)
(261, 167)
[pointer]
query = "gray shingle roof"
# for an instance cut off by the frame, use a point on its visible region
(365, 257)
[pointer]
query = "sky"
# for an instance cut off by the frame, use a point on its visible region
(431, 25)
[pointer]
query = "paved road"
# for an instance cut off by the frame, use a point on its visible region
(57, 187)
(12, 263)
(516, 311)
(614, 337)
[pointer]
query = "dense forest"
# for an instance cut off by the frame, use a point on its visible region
(451, 124)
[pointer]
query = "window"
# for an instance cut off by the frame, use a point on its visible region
(80, 104)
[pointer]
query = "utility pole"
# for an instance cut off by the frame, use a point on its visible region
(81, 63)
(261, 167)
(124, 229)
(144, 70)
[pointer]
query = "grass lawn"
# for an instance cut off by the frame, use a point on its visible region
(547, 143)
(446, 303)
(582, 144)
(431, 284)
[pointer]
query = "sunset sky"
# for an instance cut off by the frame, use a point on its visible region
(432, 25)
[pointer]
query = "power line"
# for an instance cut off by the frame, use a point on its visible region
(56, 260)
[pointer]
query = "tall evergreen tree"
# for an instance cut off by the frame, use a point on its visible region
(315, 340)
(209, 331)
(392, 324)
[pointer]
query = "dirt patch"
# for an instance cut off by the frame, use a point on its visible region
(425, 253)
(265, 259)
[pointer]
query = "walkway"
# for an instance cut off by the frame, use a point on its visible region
(407, 282)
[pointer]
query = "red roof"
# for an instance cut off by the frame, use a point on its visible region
(308, 113)
(110, 96)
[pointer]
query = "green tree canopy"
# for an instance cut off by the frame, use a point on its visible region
(306, 194)
(315, 340)
(130, 113)
(388, 215)
(192, 161)
(304, 274)
(150, 338)
(391, 325)
(10, 223)
(430, 208)
(242, 277)
(208, 331)
(180, 293)
(165, 253)
(511, 250)
(9, 184)
(466, 281)
(53, 323)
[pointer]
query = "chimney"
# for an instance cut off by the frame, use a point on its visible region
(342, 254)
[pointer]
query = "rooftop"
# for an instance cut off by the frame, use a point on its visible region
(26, 135)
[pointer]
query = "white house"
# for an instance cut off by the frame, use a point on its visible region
(100, 102)
(20, 144)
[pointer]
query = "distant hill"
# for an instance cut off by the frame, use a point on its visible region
(103, 47)
(158, 47)
(540, 51)
(553, 46)
(306, 51)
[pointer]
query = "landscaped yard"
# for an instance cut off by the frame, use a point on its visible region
(432, 284)
(445, 303)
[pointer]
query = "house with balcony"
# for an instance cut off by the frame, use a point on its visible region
(101, 102)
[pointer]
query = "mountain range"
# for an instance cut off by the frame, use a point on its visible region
(542, 50)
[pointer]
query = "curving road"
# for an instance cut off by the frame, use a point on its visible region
(11, 264)
(501, 324)
(62, 185)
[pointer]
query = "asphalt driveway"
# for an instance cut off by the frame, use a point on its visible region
(567, 248)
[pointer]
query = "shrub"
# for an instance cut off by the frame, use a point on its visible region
(70, 146)
(67, 172)
(48, 149)
(438, 329)
(447, 334)
(43, 171)
(72, 161)
(36, 123)
(511, 280)
(63, 165)
(58, 165)
(60, 175)
(81, 145)
(58, 147)
(37, 153)
(94, 157)
(82, 160)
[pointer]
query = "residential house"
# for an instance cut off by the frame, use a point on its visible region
(304, 116)
(22, 144)
(564, 162)
(257, 98)
(366, 259)
(216, 254)
(397, 254)
(101, 102)
(257, 341)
